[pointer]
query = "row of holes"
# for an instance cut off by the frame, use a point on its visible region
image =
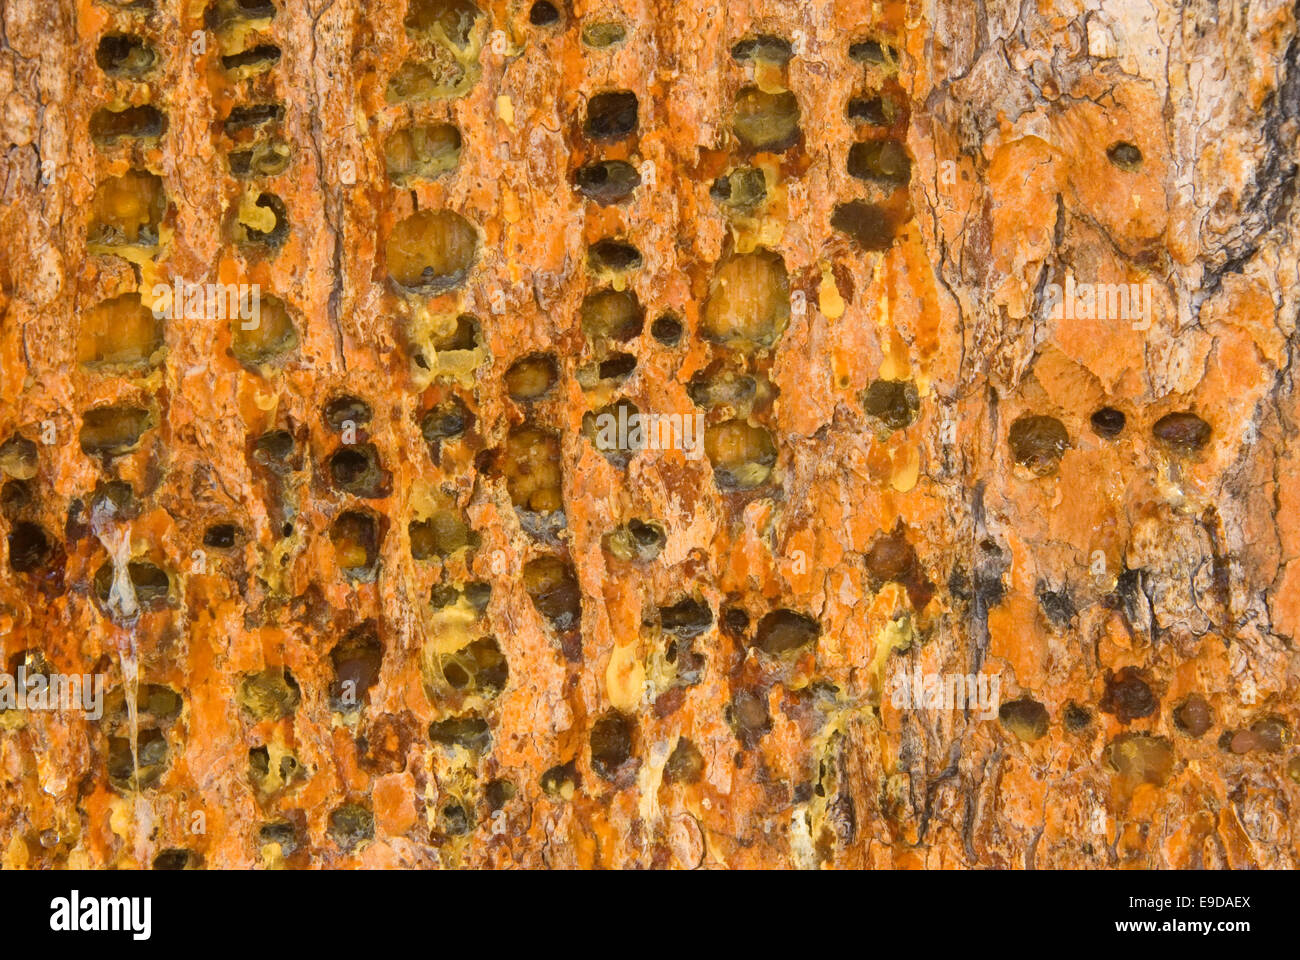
(1036, 442)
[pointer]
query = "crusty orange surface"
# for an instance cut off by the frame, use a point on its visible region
(1106, 581)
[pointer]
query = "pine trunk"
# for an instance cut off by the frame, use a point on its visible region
(970, 538)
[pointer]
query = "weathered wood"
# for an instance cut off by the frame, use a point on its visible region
(909, 515)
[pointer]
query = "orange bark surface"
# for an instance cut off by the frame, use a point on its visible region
(392, 642)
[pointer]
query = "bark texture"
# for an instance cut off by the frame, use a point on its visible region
(341, 620)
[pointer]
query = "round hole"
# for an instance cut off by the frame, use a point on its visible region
(1108, 422)
(667, 329)
(543, 14)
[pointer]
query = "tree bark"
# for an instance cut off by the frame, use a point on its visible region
(938, 444)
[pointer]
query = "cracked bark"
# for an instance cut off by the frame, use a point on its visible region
(1183, 565)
